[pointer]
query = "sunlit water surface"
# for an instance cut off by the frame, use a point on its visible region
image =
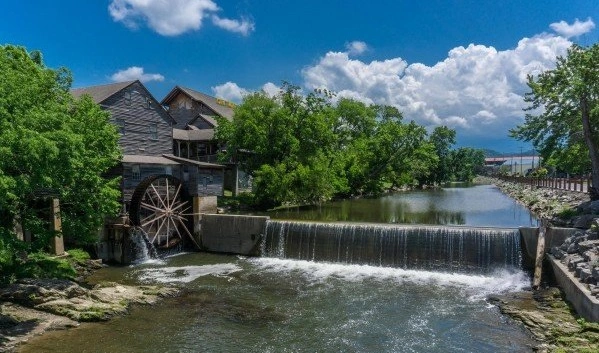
(233, 304)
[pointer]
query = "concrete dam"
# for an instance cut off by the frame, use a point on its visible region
(443, 248)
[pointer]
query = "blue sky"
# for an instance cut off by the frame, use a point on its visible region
(456, 63)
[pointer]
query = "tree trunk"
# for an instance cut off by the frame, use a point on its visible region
(593, 148)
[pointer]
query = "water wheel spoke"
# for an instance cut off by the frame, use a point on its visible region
(153, 220)
(168, 204)
(158, 195)
(149, 197)
(158, 231)
(176, 194)
(188, 233)
(176, 229)
(179, 206)
(150, 207)
(153, 214)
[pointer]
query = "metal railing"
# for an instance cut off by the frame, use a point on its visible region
(578, 184)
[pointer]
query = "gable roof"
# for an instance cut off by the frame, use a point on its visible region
(102, 92)
(218, 106)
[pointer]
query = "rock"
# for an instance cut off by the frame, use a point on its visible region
(583, 221)
(588, 245)
(590, 256)
(586, 276)
(589, 207)
(580, 267)
(557, 252)
(573, 260)
(595, 272)
(30, 292)
(572, 249)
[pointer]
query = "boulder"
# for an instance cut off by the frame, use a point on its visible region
(589, 207)
(583, 221)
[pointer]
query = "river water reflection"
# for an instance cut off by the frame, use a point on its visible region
(237, 304)
(459, 204)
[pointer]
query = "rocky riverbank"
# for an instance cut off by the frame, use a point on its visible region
(545, 312)
(30, 307)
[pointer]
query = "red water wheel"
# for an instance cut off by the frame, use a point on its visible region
(161, 208)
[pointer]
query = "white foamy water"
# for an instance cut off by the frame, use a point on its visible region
(476, 286)
(186, 274)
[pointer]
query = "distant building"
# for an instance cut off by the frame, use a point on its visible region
(513, 165)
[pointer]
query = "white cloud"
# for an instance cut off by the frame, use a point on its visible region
(135, 73)
(271, 89)
(356, 47)
(232, 92)
(172, 17)
(574, 30)
(243, 27)
(229, 91)
(476, 89)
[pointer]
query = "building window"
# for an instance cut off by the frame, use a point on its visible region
(120, 123)
(168, 170)
(136, 172)
(148, 103)
(127, 95)
(153, 130)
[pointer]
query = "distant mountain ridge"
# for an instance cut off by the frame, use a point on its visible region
(492, 153)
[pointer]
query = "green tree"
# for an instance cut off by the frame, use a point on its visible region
(49, 141)
(442, 138)
(465, 163)
(564, 110)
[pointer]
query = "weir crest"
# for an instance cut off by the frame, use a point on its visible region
(440, 248)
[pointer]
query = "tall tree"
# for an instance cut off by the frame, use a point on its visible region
(49, 141)
(564, 108)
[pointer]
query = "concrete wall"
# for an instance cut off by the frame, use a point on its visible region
(554, 236)
(586, 305)
(232, 234)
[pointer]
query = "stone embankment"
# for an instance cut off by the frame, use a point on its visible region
(545, 312)
(31, 306)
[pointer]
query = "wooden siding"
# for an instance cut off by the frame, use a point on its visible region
(130, 106)
(205, 182)
(183, 109)
(130, 181)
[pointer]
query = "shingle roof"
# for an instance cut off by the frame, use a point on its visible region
(219, 106)
(102, 92)
(139, 159)
(193, 135)
(191, 161)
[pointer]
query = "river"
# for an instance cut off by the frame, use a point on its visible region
(280, 304)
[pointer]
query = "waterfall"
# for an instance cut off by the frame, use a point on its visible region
(142, 248)
(452, 249)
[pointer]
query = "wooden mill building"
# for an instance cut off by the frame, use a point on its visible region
(146, 130)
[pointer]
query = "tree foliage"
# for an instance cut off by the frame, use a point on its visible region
(562, 120)
(305, 149)
(51, 142)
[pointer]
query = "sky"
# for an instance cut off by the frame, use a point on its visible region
(459, 63)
